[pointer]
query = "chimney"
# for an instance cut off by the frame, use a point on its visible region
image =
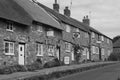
(56, 6)
(86, 20)
(67, 11)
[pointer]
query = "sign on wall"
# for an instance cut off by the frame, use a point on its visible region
(67, 60)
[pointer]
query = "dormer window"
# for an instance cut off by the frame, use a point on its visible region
(9, 27)
(50, 33)
(68, 28)
(39, 28)
(102, 38)
(93, 35)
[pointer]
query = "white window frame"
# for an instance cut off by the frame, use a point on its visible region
(39, 49)
(39, 28)
(102, 38)
(86, 35)
(93, 49)
(68, 28)
(50, 33)
(67, 47)
(9, 27)
(9, 48)
(93, 35)
(51, 50)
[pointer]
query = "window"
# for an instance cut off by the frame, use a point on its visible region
(97, 50)
(68, 28)
(103, 51)
(102, 38)
(86, 35)
(9, 27)
(93, 35)
(108, 41)
(85, 51)
(67, 47)
(50, 33)
(39, 28)
(93, 49)
(39, 49)
(9, 48)
(51, 50)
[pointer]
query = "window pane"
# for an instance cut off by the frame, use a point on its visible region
(11, 48)
(6, 47)
(39, 49)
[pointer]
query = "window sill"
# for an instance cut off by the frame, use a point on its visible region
(9, 30)
(67, 51)
(39, 55)
(9, 54)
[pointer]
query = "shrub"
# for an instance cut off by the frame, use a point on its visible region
(114, 57)
(18, 68)
(53, 63)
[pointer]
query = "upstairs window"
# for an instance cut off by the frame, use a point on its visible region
(39, 28)
(50, 33)
(93, 35)
(39, 49)
(68, 28)
(108, 41)
(67, 47)
(9, 48)
(86, 35)
(102, 38)
(9, 27)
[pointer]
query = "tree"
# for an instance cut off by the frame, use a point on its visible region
(77, 52)
(116, 38)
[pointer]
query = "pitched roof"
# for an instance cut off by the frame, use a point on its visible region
(25, 12)
(11, 11)
(71, 21)
(64, 18)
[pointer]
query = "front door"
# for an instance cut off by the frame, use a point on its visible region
(21, 54)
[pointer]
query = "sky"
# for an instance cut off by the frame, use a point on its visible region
(104, 14)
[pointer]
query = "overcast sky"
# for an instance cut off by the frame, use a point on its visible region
(104, 14)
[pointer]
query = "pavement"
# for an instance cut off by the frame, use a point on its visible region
(23, 75)
(111, 72)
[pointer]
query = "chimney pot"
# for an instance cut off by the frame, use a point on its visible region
(86, 20)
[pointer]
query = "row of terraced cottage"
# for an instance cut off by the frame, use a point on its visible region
(30, 31)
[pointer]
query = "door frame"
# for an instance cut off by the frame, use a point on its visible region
(19, 53)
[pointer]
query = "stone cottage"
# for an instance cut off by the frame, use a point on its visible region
(27, 33)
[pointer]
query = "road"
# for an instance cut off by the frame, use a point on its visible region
(111, 72)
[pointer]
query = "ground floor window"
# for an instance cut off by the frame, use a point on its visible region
(93, 49)
(97, 50)
(51, 50)
(103, 51)
(9, 48)
(39, 49)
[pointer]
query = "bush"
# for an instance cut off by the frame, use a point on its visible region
(53, 63)
(114, 57)
(18, 68)
(11, 69)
